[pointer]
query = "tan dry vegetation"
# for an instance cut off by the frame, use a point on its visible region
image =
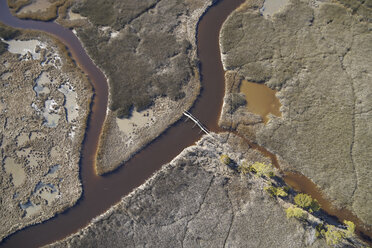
(316, 54)
(32, 145)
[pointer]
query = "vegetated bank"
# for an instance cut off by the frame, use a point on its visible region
(217, 193)
(147, 51)
(316, 55)
(44, 105)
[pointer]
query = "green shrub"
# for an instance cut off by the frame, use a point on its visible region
(306, 202)
(332, 235)
(319, 228)
(225, 159)
(262, 169)
(350, 228)
(276, 191)
(295, 212)
(244, 168)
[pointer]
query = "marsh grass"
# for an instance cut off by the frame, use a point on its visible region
(7, 33)
(141, 66)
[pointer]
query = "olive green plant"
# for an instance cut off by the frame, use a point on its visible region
(332, 235)
(350, 228)
(276, 191)
(262, 169)
(244, 168)
(225, 159)
(296, 212)
(306, 202)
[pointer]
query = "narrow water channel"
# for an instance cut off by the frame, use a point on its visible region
(99, 193)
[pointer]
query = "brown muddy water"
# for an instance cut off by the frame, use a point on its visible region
(260, 99)
(302, 184)
(99, 193)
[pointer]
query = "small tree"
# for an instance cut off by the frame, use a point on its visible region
(295, 212)
(306, 202)
(276, 191)
(350, 228)
(262, 169)
(225, 159)
(332, 235)
(244, 168)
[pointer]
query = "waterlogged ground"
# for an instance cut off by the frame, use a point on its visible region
(317, 55)
(44, 105)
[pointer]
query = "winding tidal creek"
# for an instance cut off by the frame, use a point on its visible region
(101, 192)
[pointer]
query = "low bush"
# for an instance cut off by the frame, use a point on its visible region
(244, 168)
(276, 191)
(262, 169)
(350, 228)
(225, 159)
(306, 202)
(332, 235)
(295, 212)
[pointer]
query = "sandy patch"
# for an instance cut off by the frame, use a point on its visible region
(54, 152)
(24, 152)
(74, 16)
(23, 47)
(35, 6)
(30, 208)
(16, 170)
(46, 191)
(2, 106)
(23, 138)
(6, 75)
(138, 120)
(32, 160)
(271, 7)
(37, 135)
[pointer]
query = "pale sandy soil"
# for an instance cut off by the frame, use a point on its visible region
(35, 6)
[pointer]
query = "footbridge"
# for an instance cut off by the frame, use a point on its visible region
(197, 122)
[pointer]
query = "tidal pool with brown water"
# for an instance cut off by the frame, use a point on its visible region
(260, 99)
(101, 192)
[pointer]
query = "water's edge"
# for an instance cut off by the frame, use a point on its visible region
(95, 199)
